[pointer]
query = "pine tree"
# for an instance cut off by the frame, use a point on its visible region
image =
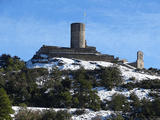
(118, 102)
(111, 77)
(5, 106)
(84, 94)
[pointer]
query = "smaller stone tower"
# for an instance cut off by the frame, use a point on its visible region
(140, 62)
(78, 35)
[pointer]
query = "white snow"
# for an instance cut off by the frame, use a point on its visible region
(68, 64)
(88, 115)
(91, 114)
(129, 73)
(105, 94)
(73, 64)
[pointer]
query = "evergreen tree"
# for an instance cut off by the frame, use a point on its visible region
(156, 106)
(135, 103)
(63, 115)
(66, 99)
(5, 106)
(11, 63)
(118, 117)
(111, 77)
(83, 93)
(118, 103)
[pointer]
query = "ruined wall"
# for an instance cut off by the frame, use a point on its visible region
(64, 50)
(88, 54)
(78, 50)
(134, 64)
(140, 62)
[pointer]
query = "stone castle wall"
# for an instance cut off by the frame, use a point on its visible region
(59, 50)
(88, 54)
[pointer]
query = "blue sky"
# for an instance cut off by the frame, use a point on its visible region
(116, 27)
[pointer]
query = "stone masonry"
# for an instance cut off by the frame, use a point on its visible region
(80, 50)
(140, 62)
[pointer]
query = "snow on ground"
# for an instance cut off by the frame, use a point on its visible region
(129, 73)
(67, 64)
(91, 114)
(107, 94)
(73, 64)
(88, 115)
(103, 93)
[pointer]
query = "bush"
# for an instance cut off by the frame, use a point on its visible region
(156, 106)
(5, 106)
(118, 117)
(97, 118)
(49, 115)
(135, 102)
(132, 78)
(65, 99)
(84, 96)
(111, 77)
(25, 114)
(154, 94)
(22, 86)
(11, 63)
(146, 84)
(79, 112)
(63, 115)
(148, 110)
(119, 103)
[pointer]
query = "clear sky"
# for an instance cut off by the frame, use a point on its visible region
(116, 27)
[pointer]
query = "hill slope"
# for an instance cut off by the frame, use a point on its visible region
(129, 74)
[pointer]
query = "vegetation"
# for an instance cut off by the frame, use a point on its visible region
(9, 63)
(135, 103)
(150, 71)
(119, 103)
(5, 106)
(40, 88)
(148, 110)
(84, 96)
(118, 117)
(25, 114)
(111, 77)
(79, 112)
(146, 84)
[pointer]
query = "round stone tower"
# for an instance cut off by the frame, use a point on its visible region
(78, 35)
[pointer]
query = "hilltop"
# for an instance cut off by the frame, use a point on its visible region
(53, 84)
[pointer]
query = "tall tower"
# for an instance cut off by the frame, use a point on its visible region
(140, 62)
(78, 35)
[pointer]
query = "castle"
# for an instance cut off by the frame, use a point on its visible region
(80, 50)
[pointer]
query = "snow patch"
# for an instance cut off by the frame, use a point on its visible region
(74, 64)
(88, 115)
(105, 94)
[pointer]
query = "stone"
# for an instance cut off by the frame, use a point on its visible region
(140, 62)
